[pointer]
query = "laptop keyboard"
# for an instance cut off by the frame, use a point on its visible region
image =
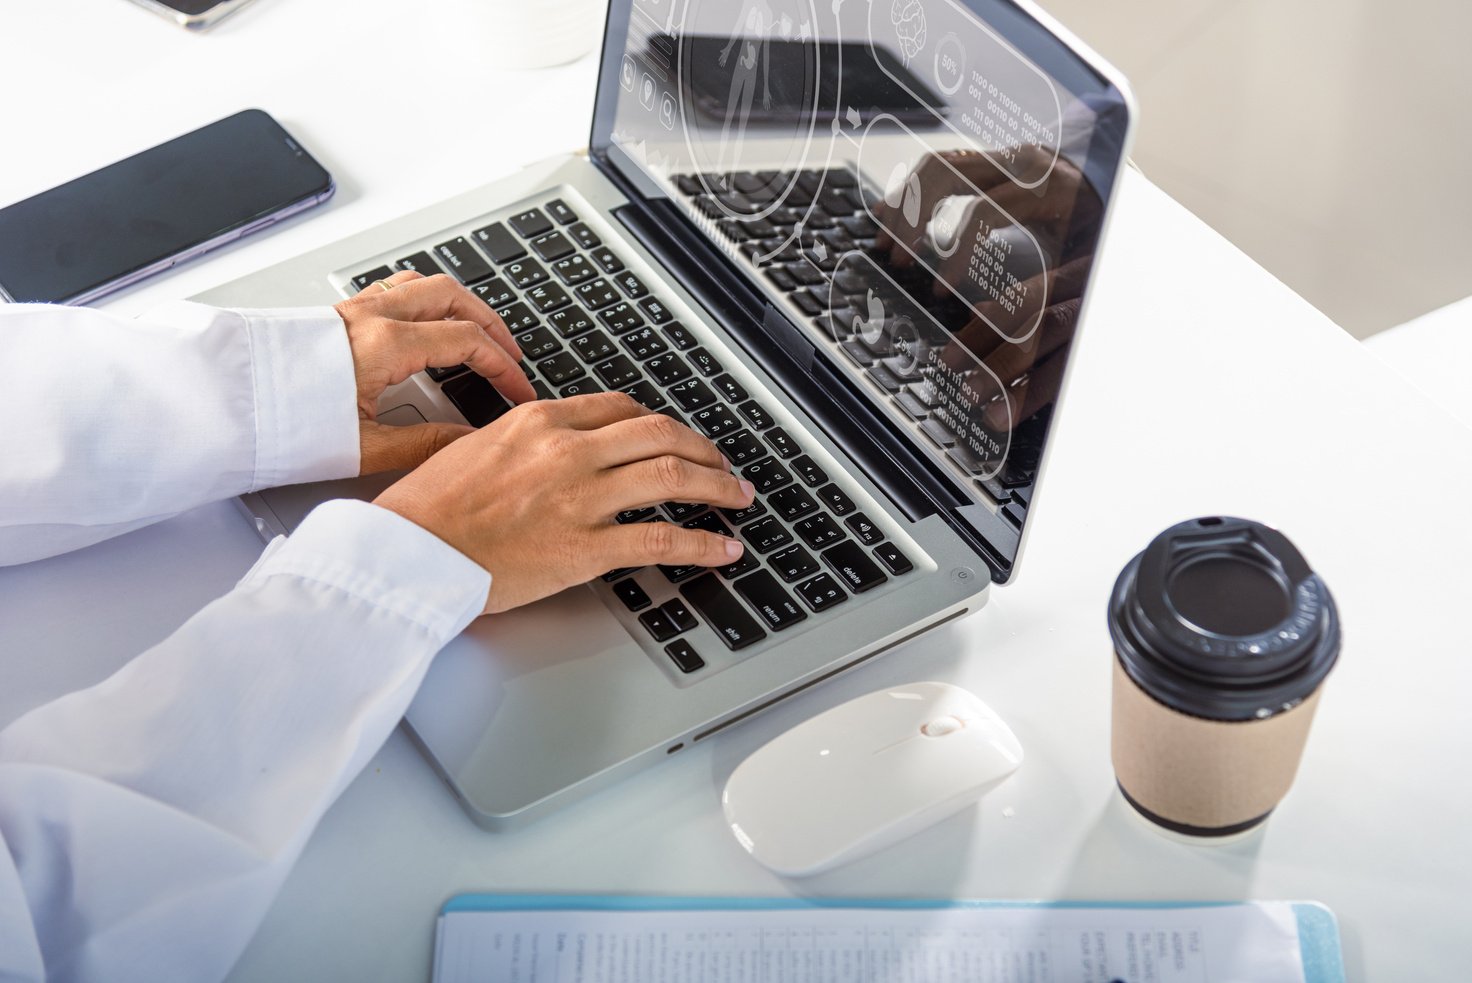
(805, 269)
(586, 323)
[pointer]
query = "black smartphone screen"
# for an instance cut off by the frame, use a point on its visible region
(71, 243)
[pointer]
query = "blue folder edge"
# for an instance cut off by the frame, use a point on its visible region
(1318, 931)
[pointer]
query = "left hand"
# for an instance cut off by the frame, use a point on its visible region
(419, 322)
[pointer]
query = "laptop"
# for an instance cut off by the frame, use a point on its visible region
(851, 243)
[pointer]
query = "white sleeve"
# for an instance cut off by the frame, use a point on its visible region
(151, 819)
(111, 424)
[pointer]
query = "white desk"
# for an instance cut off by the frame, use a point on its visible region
(1204, 386)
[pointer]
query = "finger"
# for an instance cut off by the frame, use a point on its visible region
(392, 280)
(593, 411)
(673, 479)
(385, 448)
(643, 544)
(421, 344)
(653, 435)
(436, 298)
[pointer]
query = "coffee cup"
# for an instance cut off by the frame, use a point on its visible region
(1223, 637)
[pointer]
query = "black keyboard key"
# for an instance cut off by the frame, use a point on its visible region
(542, 390)
(559, 211)
(722, 611)
(476, 398)
(498, 243)
(729, 387)
(885, 379)
(684, 656)
(420, 262)
(821, 593)
(912, 406)
(597, 294)
(617, 372)
(861, 527)
(461, 259)
(679, 614)
(808, 304)
(692, 394)
(364, 280)
(574, 270)
(741, 447)
(767, 475)
(834, 498)
(547, 297)
(745, 565)
(594, 347)
(772, 603)
(441, 374)
(667, 369)
(631, 594)
(530, 223)
(680, 511)
(676, 574)
(561, 369)
(781, 279)
(586, 237)
(621, 317)
(809, 472)
(791, 503)
(646, 395)
(756, 414)
(679, 337)
(631, 285)
(570, 321)
(613, 575)
(538, 343)
(853, 566)
(630, 516)
(496, 293)
(518, 317)
(715, 421)
(658, 624)
(938, 432)
(705, 363)
(819, 532)
(655, 310)
(583, 387)
(793, 563)
(607, 260)
(553, 246)
(889, 554)
(784, 445)
(766, 534)
(710, 522)
(524, 273)
(738, 516)
(643, 343)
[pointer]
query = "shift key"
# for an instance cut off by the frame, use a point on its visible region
(722, 611)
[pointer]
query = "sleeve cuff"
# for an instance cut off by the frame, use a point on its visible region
(305, 395)
(385, 560)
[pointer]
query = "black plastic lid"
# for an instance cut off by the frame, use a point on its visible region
(1222, 618)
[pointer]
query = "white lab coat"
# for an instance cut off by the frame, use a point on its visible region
(147, 823)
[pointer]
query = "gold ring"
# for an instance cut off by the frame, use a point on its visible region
(384, 284)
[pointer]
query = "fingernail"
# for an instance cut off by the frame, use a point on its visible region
(733, 549)
(748, 489)
(726, 461)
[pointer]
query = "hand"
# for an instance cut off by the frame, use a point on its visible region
(532, 496)
(419, 322)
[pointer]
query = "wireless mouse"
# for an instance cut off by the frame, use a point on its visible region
(866, 774)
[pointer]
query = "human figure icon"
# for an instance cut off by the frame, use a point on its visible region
(751, 42)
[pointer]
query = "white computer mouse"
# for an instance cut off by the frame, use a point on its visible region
(865, 775)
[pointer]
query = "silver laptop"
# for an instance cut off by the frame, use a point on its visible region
(848, 241)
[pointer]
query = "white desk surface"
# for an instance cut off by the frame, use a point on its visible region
(1204, 386)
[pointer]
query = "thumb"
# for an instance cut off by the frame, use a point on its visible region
(385, 448)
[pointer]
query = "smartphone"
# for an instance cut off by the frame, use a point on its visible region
(864, 76)
(140, 216)
(195, 15)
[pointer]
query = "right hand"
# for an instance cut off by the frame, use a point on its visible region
(532, 496)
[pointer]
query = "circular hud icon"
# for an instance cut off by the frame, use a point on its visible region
(748, 76)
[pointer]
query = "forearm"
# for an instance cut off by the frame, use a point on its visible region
(113, 424)
(165, 805)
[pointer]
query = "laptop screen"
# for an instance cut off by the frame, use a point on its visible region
(919, 185)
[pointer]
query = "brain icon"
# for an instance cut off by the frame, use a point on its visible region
(909, 23)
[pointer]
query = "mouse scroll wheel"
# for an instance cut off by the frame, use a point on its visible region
(941, 726)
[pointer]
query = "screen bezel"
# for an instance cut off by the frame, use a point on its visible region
(1031, 32)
